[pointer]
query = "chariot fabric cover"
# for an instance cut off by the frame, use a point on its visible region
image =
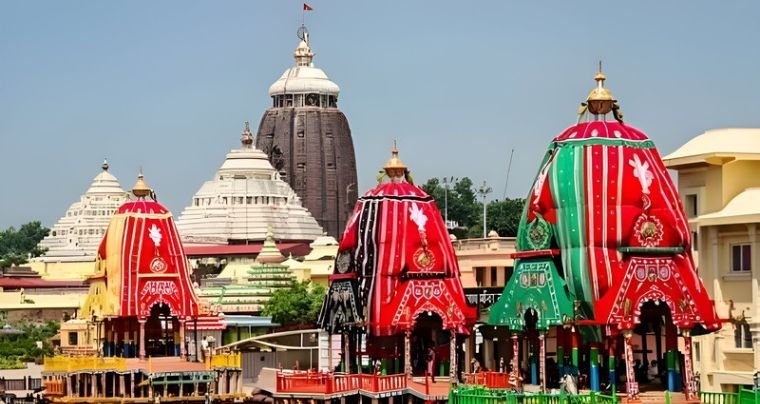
(395, 262)
(141, 262)
(611, 206)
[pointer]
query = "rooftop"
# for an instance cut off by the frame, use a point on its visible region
(717, 147)
(743, 208)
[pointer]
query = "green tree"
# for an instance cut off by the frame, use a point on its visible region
(299, 304)
(463, 206)
(17, 245)
(17, 349)
(502, 215)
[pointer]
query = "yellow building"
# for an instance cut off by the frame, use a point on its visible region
(485, 266)
(485, 262)
(720, 189)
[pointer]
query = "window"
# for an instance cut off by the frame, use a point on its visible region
(479, 275)
(494, 277)
(694, 241)
(742, 335)
(692, 207)
(741, 258)
(697, 351)
(73, 338)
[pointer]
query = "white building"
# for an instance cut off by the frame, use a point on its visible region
(720, 190)
(73, 241)
(244, 198)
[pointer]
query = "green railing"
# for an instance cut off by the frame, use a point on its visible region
(481, 395)
(707, 397)
(744, 396)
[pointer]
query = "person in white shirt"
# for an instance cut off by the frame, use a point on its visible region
(204, 347)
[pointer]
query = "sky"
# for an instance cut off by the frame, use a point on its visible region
(166, 85)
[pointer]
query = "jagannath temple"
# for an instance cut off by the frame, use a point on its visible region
(308, 139)
(131, 338)
(604, 261)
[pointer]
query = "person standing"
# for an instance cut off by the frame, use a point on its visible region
(204, 347)
(431, 363)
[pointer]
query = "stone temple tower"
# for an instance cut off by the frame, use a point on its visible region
(308, 140)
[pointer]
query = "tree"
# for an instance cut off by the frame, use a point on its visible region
(463, 206)
(15, 350)
(299, 304)
(17, 245)
(465, 209)
(504, 216)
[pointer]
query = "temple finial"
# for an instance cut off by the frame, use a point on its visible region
(246, 138)
(141, 188)
(600, 99)
(105, 165)
(303, 53)
(394, 168)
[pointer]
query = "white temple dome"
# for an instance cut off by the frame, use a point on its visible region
(303, 78)
(76, 236)
(243, 199)
(105, 183)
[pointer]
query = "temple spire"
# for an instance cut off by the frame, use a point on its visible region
(246, 138)
(105, 165)
(270, 254)
(303, 53)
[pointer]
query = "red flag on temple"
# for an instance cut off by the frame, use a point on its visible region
(307, 7)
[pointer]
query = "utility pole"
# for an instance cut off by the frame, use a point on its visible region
(484, 190)
(447, 182)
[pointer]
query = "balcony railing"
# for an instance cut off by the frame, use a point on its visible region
(328, 383)
(218, 361)
(506, 244)
(83, 363)
(491, 380)
(480, 395)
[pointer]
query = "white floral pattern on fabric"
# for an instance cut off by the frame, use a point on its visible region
(155, 234)
(418, 217)
(641, 171)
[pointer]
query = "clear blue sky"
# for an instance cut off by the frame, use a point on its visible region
(166, 85)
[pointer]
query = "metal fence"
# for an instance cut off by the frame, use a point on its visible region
(479, 395)
(26, 383)
(743, 396)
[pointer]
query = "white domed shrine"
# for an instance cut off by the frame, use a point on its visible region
(241, 201)
(76, 235)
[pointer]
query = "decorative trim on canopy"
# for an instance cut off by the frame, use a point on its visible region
(657, 279)
(535, 285)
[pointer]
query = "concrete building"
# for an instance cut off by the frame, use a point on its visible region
(73, 241)
(308, 140)
(485, 264)
(720, 190)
